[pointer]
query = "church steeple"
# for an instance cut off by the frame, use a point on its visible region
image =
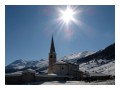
(52, 49)
(52, 57)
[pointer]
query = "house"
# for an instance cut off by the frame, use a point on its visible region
(28, 75)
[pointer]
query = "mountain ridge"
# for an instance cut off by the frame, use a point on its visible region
(100, 57)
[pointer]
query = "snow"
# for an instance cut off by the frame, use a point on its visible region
(107, 82)
(93, 66)
(75, 56)
(15, 73)
(38, 64)
(29, 70)
(19, 67)
(20, 64)
(107, 68)
(97, 67)
(42, 64)
(52, 74)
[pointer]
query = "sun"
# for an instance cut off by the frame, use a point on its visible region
(67, 15)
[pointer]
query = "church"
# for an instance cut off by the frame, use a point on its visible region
(62, 67)
(57, 71)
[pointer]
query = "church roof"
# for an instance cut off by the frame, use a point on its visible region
(63, 62)
(60, 62)
(52, 49)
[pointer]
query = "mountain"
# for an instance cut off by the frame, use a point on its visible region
(75, 56)
(106, 54)
(93, 67)
(100, 61)
(20, 64)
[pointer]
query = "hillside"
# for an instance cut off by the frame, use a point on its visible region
(101, 61)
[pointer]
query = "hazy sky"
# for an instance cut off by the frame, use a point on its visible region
(28, 30)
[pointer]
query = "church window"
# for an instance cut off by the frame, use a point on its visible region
(62, 68)
(50, 56)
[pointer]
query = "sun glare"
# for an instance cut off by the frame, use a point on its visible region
(67, 15)
(67, 18)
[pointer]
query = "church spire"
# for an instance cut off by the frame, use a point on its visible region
(52, 49)
(52, 57)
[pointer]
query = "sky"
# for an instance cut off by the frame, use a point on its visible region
(29, 29)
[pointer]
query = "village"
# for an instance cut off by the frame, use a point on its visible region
(57, 71)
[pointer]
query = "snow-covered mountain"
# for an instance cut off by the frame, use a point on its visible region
(102, 66)
(100, 61)
(24, 64)
(42, 64)
(75, 56)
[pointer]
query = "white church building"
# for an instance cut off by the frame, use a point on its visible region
(62, 67)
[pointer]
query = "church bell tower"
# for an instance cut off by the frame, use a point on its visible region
(52, 57)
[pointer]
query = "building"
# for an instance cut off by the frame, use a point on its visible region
(52, 57)
(28, 75)
(20, 77)
(62, 67)
(57, 71)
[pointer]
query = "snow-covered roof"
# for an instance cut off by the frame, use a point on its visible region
(64, 62)
(60, 62)
(18, 73)
(29, 70)
(52, 74)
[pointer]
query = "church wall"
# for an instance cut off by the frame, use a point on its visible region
(56, 69)
(66, 69)
(73, 67)
(61, 69)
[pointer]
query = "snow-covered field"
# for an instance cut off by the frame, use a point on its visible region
(108, 68)
(108, 82)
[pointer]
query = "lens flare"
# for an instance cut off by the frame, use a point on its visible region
(67, 15)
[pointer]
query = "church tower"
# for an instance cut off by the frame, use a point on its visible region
(52, 57)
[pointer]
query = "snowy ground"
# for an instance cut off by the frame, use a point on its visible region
(107, 82)
(92, 66)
